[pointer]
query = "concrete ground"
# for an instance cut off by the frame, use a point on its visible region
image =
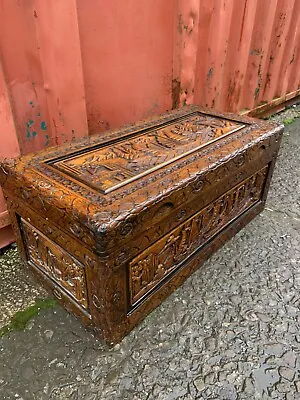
(230, 332)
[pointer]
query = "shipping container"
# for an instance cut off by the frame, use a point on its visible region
(75, 68)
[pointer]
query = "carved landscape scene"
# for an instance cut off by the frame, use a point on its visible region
(115, 165)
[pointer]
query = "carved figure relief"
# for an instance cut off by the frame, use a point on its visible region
(55, 262)
(160, 259)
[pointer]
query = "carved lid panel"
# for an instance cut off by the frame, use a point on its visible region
(116, 163)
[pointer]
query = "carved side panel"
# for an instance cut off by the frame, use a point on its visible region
(154, 264)
(56, 263)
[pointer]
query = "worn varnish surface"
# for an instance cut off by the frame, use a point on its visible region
(114, 223)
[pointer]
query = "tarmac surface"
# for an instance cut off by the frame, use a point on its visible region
(230, 332)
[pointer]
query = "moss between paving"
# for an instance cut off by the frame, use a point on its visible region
(289, 121)
(21, 318)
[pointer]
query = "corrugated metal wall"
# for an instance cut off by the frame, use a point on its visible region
(248, 52)
(72, 68)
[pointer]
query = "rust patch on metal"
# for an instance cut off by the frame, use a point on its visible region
(176, 88)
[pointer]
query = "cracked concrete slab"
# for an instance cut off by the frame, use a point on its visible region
(230, 332)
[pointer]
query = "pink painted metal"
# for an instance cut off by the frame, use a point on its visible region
(185, 52)
(59, 49)
(127, 53)
(77, 67)
(9, 148)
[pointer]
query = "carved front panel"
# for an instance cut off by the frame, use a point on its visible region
(115, 164)
(154, 264)
(55, 262)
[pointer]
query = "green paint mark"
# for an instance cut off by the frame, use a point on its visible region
(34, 134)
(47, 140)
(31, 103)
(38, 114)
(43, 126)
(31, 122)
(28, 134)
(21, 318)
(255, 52)
(210, 73)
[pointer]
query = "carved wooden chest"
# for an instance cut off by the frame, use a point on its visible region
(113, 224)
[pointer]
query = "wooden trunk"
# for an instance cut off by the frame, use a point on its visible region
(114, 223)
